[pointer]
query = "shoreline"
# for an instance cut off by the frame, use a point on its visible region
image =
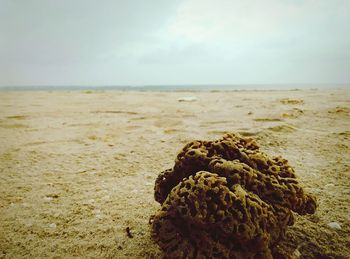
(184, 88)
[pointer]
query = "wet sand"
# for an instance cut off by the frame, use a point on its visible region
(78, 168)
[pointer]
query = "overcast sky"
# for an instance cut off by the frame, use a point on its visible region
(154, 42)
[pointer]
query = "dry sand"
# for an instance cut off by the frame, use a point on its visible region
(78, 168)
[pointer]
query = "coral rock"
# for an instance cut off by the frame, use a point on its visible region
(226, 199)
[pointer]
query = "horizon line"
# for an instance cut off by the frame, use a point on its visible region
(176, 85)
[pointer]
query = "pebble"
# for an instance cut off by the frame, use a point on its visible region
(52, 225)
(28, 224)
(188, 99)
(334, 225)
(48, 198)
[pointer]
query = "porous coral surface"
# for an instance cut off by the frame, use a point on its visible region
(226, 199)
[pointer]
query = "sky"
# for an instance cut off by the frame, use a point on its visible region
(174, 42)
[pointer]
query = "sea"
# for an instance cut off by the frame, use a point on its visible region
(180, 88)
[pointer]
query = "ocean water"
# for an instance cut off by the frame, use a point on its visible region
(169, 88)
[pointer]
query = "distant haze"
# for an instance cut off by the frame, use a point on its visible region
(156, 42)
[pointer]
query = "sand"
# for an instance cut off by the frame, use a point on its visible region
(77, 168)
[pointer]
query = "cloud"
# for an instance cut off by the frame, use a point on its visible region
(58, 32)
(239, 21)
(174, 42)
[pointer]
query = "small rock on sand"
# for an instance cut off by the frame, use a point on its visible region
(334, 225)
(99, 216)
(52, 225)
(188, 99)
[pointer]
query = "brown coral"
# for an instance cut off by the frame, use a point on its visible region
(226, 199)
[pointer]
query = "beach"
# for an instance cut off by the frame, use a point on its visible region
(77, 168)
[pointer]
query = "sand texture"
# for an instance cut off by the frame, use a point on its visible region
(77, 169)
